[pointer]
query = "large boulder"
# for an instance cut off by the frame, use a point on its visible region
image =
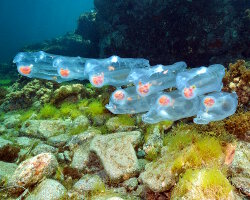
(31, 171)
(117, 155)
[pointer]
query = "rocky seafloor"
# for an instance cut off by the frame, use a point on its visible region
(57, 141)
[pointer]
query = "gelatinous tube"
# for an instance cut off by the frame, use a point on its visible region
(37, 65)
(70, 68)
(112, 71)
(156, 79)
(199, 81)
(216, 106)
(127, 101)
(171, 106)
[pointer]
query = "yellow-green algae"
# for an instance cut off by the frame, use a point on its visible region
(207, 183)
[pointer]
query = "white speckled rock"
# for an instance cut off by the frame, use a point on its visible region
(48, 189)
(117, 154)
(31, 171)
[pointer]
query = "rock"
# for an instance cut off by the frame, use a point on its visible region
(82, 121)
(24, 95)
(48, 189)
(114, 125)
(242, 184)
(154, 178)
(59, 140)
(142, 164)
(67, 92)
(81, 156)
(130, 184)
(31, 171)
(2, 129)
(6, 170)
(205, 184)
(43, 148)
(44, 128)
(89, 183)
(117, 154)
(11, 121)
(25, 142)
(154, 141)
(81, 138)
(241, 163)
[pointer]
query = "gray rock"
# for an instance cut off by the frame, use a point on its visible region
(59, 140)
(130, 184)
(31, 171)
(6, 170)
(26, 142)
(114, 125)
(81, 121)
(142, 164)
(67, 156)
(48, 189)
(242, 184)
(81, 156)
(89, 183)
(158, 175)
(11, 121)
(44, 128)
(117, 154)
(43, 148)
(4, 142)
(241, 162)
(81, 138)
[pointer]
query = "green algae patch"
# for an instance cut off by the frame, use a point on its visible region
(69, 110)
(95, 108)
(48, 112)
(207, 183)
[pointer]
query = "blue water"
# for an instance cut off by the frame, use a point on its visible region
(25, 22)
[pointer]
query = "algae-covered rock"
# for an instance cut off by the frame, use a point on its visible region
(120, 123)
(89, 183)
(203, 184)
(67, 92)
(25, 96)
(130, 184)
(31, 171)
(6, 171)
(44, 128)
(48, 189)
(11, 121)
(8, 151)
(117, 155)
(59, 140)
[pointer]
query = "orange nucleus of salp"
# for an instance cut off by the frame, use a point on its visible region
(164, 101)
(64, 72)
(144, 88)
(25, 70)
(189, 92)
(119, 95)
(209, 102)
(98, 80)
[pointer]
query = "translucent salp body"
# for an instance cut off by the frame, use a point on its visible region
(127, 101)
(37, 65)
(199, 81)
(171, 106)
(70, 68)
(112, 71)
(156, 78)
(216, 106)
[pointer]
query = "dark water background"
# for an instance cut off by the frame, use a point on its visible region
(24, 22)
